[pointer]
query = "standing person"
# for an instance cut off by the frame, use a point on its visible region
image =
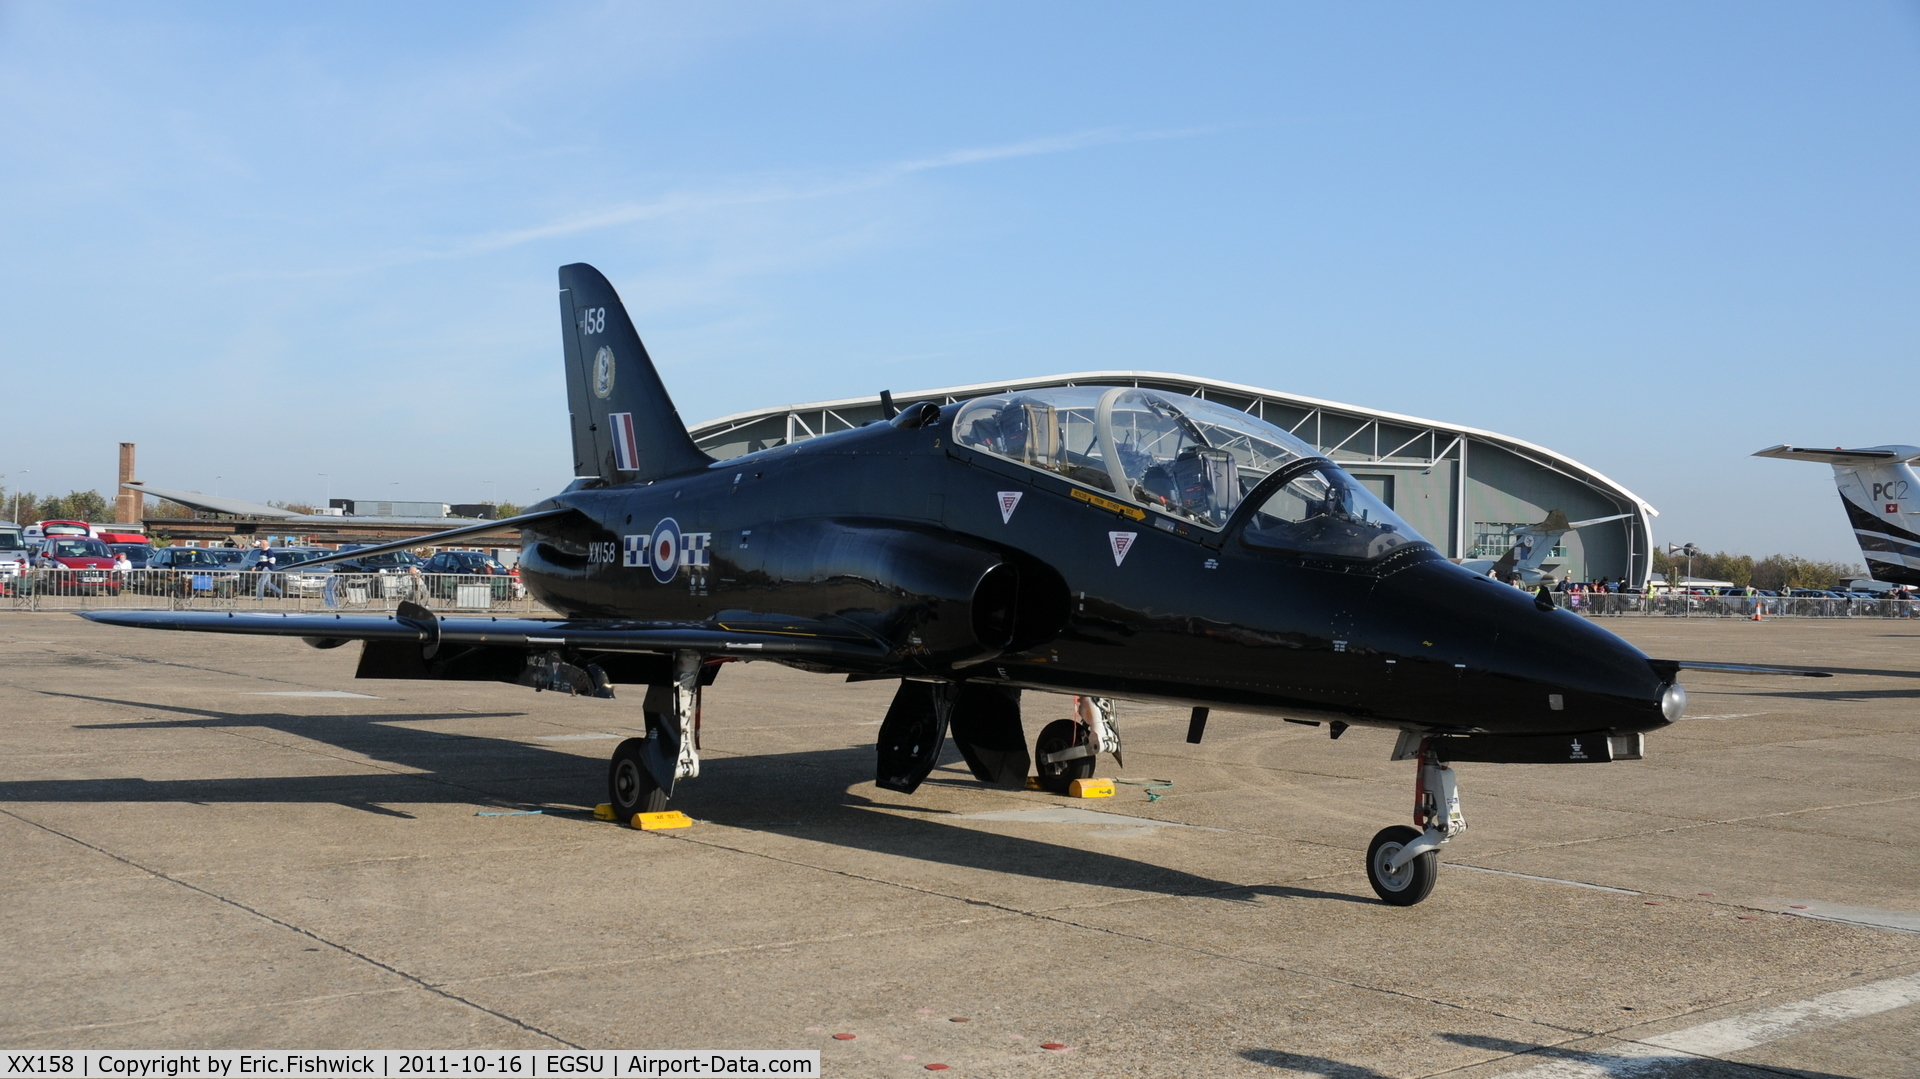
(265, 569)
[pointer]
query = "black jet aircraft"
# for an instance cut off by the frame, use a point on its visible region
(1101, 542)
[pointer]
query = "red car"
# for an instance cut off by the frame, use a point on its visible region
(81, 565)
(66, 528)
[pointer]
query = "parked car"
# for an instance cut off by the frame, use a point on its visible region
(137, 553)
(15, 556)
(285, 561)
(49, 529)
(390, 562)
(188, 571)
(79, 565)
(451, 569)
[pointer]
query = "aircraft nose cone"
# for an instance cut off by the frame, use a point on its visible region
(1510, 665)
(1673, 702)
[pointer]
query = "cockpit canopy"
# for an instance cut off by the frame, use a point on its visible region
(1188, 458)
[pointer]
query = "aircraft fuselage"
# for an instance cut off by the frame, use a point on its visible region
(875, 534)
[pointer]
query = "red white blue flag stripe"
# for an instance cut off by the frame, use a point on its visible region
(626, 452)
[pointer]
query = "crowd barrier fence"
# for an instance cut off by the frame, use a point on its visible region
(1683, 605)
(283, 590)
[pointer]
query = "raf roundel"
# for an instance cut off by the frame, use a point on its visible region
(664, 547)
(603, 372)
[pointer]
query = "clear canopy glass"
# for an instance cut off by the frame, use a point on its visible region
(1325, 511)
(1183, 456)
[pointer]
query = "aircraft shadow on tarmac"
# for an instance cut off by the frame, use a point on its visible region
(1677, 1066)
(1525, 1053)
(801, 795)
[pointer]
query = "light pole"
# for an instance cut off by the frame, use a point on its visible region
(1687, 549)
(16, 497)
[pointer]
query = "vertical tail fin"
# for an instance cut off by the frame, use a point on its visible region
(624, 425)
(1881, 493)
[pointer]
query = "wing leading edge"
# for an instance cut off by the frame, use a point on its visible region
(525, 633)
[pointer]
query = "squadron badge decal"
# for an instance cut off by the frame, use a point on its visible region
(603, 372)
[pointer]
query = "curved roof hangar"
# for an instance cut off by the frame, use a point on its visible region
(1463, 488)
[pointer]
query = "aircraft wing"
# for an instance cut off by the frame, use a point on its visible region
(1735, 668)
(416, 624)
(432, 539)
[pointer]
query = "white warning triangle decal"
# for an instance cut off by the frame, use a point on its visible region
(1122, 543)
(1008, 500)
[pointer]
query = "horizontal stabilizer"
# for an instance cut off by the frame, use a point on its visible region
(1599, 520)
(1837, 456)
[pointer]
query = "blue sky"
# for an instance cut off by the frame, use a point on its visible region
(272, 241)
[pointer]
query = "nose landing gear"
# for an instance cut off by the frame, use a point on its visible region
(1403, 863)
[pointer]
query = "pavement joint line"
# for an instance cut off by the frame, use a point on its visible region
(1546, 880)
(1715, 1039)
(1698, 823)
(290, 927)
(1043, 915)
(711, 953)
(306, 746)
(1048, 915)
(226, 1009)
(196, 667)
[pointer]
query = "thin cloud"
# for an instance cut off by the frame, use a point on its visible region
(765, 193)
(864, 180)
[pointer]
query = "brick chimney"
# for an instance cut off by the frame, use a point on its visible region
(128, 506)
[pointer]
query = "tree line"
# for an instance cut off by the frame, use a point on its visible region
(96, 508)
(89, 506)
(1773, 572)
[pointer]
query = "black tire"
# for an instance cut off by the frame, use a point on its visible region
(630, 787)
(1054, 737)
(1411, 882)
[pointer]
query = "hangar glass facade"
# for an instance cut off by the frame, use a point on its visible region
(1463, 489)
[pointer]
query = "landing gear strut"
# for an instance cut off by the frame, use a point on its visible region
(1403, 862)
(641, 776)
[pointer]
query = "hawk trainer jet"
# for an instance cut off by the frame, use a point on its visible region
(1106, 542)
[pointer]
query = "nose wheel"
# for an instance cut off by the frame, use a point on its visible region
(1409, 881)
(1403, 863)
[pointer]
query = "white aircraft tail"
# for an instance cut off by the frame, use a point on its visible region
(1881, 492)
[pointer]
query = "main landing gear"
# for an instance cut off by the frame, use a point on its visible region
(1403, 862)
(984, 720)
(641, 776)
(1067, 748)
